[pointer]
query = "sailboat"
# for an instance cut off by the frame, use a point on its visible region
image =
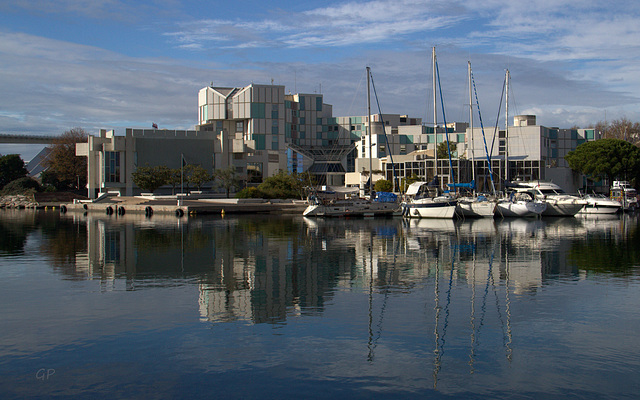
(519, 204)
(422, 199)
(476, 206)
(375, 206)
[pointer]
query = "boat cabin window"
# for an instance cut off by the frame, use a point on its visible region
(551, 191)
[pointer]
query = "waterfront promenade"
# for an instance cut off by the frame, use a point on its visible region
(182, 205)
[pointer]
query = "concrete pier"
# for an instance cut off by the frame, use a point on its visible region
(183, 205)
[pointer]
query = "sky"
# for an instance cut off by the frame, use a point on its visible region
(130, 63)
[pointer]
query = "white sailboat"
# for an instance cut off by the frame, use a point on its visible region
(475, 206)
(423, 200)
(516, 205)
(355, 206)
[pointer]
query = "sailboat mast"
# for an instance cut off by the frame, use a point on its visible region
(506, 129)
(435, 116)
(369, 128)
(473, 162)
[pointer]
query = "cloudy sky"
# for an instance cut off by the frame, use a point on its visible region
(130, 63)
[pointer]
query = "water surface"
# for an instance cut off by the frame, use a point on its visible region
(279, 307)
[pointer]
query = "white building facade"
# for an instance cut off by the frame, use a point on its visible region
(258, 130)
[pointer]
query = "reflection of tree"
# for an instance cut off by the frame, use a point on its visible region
(14, 231)
(62, 240)
(607, 255)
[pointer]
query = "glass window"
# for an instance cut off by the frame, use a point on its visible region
(254, 172)
(239, 126)
(111, 167)
(260, 141)
(258, 110)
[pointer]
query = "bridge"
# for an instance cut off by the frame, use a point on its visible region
(28, 139)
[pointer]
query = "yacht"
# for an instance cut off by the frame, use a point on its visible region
(600, 204)
(520, 205)
(559, 203)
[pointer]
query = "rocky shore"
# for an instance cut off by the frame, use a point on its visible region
(38, 200)
(17, 201)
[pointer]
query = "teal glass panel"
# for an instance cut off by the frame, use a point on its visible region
(260, 141)
(258, 110)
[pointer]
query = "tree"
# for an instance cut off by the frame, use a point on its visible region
(304, 180)
(11, 168)
(443, 149)
(50, 181)
(613, 158)
(405, 182)
(197, 175)
(151, 178)
(622, 129)
(175, 179)
(70, 169)
(383, 185)
(227, 178)
(283, 185)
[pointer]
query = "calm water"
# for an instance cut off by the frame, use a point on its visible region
(285, 307)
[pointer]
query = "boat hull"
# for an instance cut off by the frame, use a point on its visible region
(352, 209)
(520, 209)
(469, 208)
(563, 208)
(600, 209)
(430, 209)
(601, 205)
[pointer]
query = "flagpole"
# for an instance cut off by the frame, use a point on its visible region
(181, 173)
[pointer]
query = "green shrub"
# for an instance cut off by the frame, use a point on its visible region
(383, 185)
(21, 186)
(250, 193)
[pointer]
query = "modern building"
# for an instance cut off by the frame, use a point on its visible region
(533, 152)
(111, 159)
(258, 130)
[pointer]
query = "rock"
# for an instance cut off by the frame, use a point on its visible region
(17, 201)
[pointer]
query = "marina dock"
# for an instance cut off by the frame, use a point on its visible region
(183, 205)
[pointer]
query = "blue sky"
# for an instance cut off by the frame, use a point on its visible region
(129, 63)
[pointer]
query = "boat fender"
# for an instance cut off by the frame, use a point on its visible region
(63, 209)
(109, 210)
(148, 211)
(179, 212)
(120, 210)
(85, 206)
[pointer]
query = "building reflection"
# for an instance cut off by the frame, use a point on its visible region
(265, 269)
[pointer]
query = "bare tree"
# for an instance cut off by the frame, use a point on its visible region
(70, 169)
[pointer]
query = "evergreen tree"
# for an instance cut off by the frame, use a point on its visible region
(11, 168)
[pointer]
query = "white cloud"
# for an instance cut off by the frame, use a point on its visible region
(348, 24)
(570, 60)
